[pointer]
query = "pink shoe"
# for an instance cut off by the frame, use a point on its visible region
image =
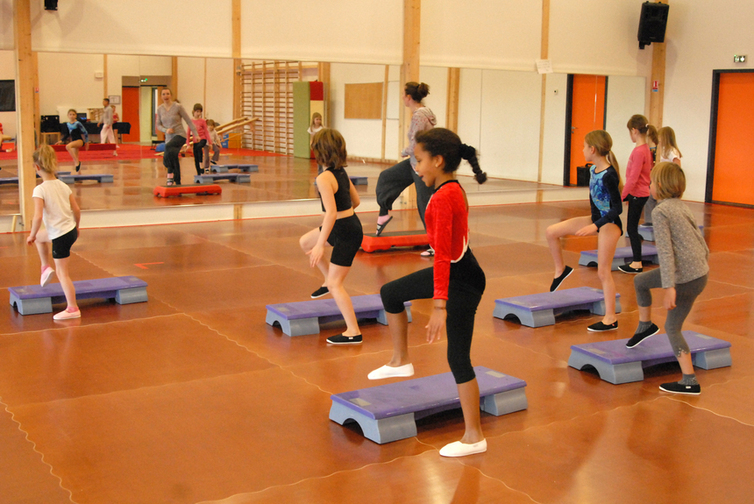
(46, 276)
(65, 315)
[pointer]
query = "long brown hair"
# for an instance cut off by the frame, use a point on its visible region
(329, 148)
(603, 144)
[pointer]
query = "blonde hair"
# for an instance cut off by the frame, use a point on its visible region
(45, 158)
(329, 148)
(316, 115)
(666, 137)
(669, 180)
(638, 122)
(603, 144)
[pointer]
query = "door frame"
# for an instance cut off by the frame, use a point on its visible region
(569, 125)
(713, 134)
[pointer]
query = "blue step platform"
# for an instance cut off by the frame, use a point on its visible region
(304, 317)
(389, 412)
(538, 310)
(623, 255)
(617, 364)
(239, 178)
(80, 177)
(34, 299)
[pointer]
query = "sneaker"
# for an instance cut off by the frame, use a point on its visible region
(430, 252)
(342, 339)
(639, 337)
(78, 167)
(678, 388)
(557, 281)
(322, 291)
(459, 449)
(386, 371)
(66, 315)
(600, 327)
(626, 268)
(46, 276)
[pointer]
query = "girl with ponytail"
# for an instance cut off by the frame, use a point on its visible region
(606, 205)
(455, 283)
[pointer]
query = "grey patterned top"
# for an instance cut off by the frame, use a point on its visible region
(171, 118)
(681, 248)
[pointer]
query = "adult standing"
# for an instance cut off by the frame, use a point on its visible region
(168, 121)
(395, 179)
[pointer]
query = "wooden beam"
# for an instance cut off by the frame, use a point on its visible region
(657, 98)
(104, 76)
(24, 109)
(174, 77)
(384, 110)
(323, 72)
(454, 80)
(544, 52)
(409, 72)
(236, 28)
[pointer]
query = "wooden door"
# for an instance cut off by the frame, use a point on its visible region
(587, 114)
(130, 113)
(733, 140)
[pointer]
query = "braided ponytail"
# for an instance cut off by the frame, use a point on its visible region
(469, 154)
(445, 143)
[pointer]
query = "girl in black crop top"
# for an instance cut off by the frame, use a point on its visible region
(340, 228)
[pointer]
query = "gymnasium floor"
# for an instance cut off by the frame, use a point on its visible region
(192, 398)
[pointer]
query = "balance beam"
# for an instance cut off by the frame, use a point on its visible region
(623, 255)
(389, 412)
(178, 190)
(538, 310)
(33, 299)
(617, 364)
(304, 317)
(373, 243)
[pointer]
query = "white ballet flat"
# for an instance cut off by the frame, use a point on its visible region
(392, 372)
(459, 449)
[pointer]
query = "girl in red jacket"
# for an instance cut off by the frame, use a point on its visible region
(455, 283)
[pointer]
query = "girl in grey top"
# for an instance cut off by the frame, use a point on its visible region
(168, 121)
(682, 273)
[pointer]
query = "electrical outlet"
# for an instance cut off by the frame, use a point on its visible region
(739, 58)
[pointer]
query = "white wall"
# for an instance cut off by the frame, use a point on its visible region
(502, 34)
(6, 25)
(68, 81)
(363, 136)
(625, 97)
(554, 136)
(168, 27)
(364, 31)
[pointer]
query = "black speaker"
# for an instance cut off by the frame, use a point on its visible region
(51, 5)
(50, 124)
(654, 18)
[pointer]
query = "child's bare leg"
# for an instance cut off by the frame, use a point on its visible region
(555, 232)
(398, 325)
(606, 242)
(469, 394)
(307, 243)
(61, 265)
(335, 280)
(43, 248)
(73, 150)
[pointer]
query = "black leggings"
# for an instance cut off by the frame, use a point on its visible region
(170, 157)
(467, 283)
(199, 155)
(635, 206)
(392, 182)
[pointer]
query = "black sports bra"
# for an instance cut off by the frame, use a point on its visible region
(343, 194)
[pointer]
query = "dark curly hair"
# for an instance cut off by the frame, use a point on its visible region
(445, 143)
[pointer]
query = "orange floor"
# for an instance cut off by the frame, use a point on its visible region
(192, 398)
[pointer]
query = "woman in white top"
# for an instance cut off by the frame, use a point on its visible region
(168, 120)
(55, 205)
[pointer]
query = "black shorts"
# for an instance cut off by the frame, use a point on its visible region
(61, 246)
(345, 238)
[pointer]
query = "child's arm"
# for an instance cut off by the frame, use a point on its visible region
(36, 222)
(666, 256)
(326, 185)
(76, 211)
(83, 130)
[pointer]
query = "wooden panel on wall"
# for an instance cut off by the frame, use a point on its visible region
(363, 101)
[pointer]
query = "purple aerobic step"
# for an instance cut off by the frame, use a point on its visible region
(617, 364)
(623, 255)
(389, 412)
(537, 310)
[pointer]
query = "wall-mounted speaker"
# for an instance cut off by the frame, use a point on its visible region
(654, 18)
(51, 5)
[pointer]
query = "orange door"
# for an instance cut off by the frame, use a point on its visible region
(130, 113)
(587, 114)
(734, 143)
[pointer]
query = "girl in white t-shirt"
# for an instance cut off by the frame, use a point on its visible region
(667, 152)
(313, 129)
(55, 205)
